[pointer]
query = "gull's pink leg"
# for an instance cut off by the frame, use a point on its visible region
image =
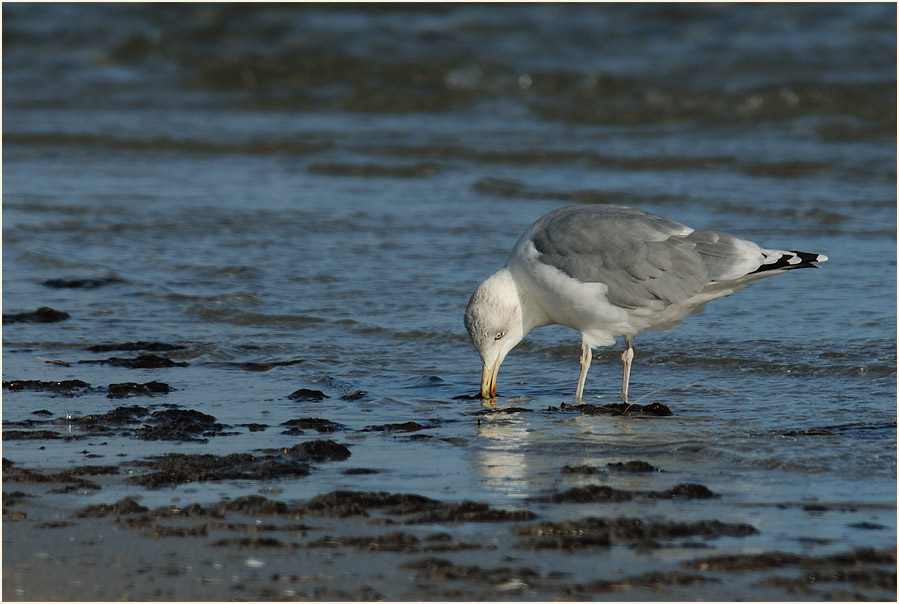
(586, 357)
(626, 357)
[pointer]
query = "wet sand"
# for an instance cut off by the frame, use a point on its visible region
(373, 546)
(364, 545)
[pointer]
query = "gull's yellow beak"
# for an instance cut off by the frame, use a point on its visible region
(488, 379)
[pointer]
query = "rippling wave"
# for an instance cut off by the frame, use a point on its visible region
(445, 61)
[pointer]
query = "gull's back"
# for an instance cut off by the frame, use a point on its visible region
(614, 270)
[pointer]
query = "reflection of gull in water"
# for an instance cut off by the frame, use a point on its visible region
(516, 457)
(502, 462)
(610, 271)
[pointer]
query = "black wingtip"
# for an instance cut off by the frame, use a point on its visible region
(793, 259)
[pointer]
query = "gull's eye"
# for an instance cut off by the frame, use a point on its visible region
(499, 335)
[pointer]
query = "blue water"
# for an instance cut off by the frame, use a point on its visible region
(327, 186)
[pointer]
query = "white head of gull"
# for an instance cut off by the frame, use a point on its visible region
(610, 271)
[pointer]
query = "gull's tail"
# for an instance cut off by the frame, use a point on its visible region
(777, 260)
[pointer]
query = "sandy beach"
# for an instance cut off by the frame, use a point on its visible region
(355, 545)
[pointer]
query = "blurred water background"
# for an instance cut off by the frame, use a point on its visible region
(305, 196)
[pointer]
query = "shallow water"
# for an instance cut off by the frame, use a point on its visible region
(305, 197)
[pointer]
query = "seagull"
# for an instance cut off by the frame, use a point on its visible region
(610, 271)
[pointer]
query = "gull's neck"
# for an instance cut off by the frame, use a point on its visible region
(532, 315)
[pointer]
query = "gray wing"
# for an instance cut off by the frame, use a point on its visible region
(640, 256)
